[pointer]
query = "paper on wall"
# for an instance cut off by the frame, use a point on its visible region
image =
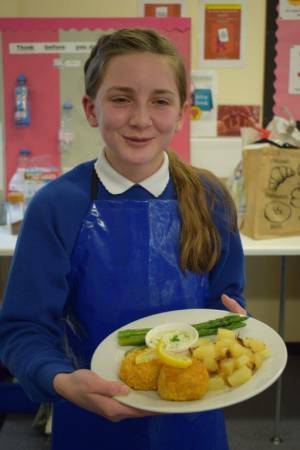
(1, 160)
(294, 72)
(203, 103)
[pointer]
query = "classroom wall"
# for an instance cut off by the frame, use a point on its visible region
(243, 85)
(235, 86)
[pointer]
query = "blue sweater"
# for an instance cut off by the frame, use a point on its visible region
(30, 320)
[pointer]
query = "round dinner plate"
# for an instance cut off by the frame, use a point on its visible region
(108, 355)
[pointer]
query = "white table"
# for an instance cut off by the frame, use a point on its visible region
(281, 247)
(271, 247)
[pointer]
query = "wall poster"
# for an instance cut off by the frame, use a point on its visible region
(289, 9)
(204, 103)
(222, 33)
(287, 61)
(158, 8)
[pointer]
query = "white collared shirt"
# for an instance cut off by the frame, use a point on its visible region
(115, 183)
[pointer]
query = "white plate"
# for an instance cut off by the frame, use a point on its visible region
(107, 357)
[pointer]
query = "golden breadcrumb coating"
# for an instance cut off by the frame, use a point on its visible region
(139, 376)
(183, 384)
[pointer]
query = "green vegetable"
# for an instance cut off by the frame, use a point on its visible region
(231, 322)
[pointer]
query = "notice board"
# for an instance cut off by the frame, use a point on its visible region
(51, 53)
(282, 62)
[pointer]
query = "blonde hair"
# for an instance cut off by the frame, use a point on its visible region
(198, 191)
(131, 40)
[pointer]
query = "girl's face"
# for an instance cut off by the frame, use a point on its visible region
(137, 109)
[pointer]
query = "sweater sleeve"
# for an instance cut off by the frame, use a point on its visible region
(31, 331)
(227, 276)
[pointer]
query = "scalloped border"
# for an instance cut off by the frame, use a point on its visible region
(80, 23)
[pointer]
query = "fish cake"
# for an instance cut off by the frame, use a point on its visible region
(141, 376)
(178, 384)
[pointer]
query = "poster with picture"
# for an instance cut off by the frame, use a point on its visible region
(294, 73)
(222, 35)
(203, 103)
(158, 8)
(287, 68)
(289, 9)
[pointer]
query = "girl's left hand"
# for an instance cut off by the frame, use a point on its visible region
(232, 305)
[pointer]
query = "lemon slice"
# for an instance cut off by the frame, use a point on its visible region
(173, 359)
(146, 356)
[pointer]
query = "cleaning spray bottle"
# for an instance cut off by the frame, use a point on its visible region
(22, 111)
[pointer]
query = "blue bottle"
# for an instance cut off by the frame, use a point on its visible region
(22, 111)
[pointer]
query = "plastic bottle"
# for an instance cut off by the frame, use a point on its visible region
(15, 205)
(66, 132)
(24, 158)
(18, 182)
(3, 209)
(22, 111)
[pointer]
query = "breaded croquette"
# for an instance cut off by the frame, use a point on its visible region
(141, 376)
(183, 384)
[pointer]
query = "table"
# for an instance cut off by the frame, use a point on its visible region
(281, 247)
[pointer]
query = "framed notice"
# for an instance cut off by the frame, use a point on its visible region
(282, 62)
(158, 8)
(294, 72)
(50, 53)
(222, 33)
(289, 9)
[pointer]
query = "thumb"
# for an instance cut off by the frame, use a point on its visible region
(232, 305)
(117, 388)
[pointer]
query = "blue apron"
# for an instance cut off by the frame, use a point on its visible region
(124, 267)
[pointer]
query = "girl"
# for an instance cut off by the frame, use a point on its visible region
(135, 233)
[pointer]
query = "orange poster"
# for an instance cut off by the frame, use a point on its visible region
(222, 38)
(162, 10)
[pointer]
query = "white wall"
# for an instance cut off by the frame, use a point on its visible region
(219, 155)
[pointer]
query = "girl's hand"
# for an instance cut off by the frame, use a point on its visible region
(89, 391)
(232, 305)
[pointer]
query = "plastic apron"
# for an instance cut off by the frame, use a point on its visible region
(125, 267)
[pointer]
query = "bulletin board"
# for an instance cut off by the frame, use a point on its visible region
(51, 53)
(282, 64)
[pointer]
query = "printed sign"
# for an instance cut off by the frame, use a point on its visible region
(289, 9)
(50, 47)
(294, 74)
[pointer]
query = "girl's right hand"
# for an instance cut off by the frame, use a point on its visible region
(89, 391)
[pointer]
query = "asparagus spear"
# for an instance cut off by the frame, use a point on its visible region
(231, 322)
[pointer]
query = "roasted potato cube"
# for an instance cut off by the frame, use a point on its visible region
(223, 333)
(215, 383)
(236, 349)
(257, 359)
(227, 366)
(204, 351)
(243, 360)
(202, 341)
(221, 349)
(254, 344)
(264, 353)
(239, 376)
(247, 351)
(210, 364)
